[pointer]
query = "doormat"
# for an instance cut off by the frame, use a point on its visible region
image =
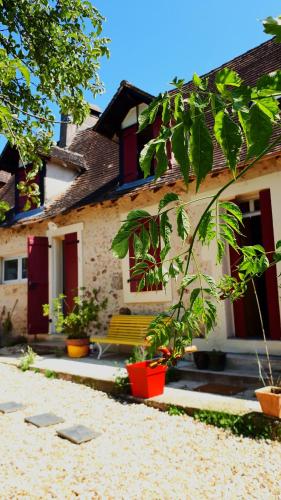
(223, 389)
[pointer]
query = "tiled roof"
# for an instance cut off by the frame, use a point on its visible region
(101, 155)
(4, 177)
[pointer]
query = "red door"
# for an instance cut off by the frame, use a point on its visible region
(37, 280)
(70, 269)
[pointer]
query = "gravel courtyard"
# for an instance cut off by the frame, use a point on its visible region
(140, 454)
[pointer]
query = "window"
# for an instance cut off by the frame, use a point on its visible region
(134, 280)
(131, 144)
(14, 269)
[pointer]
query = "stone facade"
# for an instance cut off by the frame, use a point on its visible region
(101, 270)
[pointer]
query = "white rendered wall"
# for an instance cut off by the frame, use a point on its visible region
(132, 116)
(57, 180)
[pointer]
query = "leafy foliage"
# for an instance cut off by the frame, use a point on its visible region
(74, 323)
(49, 53)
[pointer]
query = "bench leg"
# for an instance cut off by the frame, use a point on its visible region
(101, 352)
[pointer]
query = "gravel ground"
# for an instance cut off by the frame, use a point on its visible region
(141, 453)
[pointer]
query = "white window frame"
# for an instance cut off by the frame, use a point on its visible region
(19, 279)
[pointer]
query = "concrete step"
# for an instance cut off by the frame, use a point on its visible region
(53, 345)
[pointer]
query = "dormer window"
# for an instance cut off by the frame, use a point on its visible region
(132, 143)
(21, 201)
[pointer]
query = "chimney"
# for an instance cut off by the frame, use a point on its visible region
(69, 130)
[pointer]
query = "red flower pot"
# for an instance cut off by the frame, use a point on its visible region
(146, 382)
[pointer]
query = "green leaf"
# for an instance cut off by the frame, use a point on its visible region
(164, 252)
(165, 228)
(145, 239)
(137, 246)
(168, 198)
(197, 81)
(134, 215)
(268, 84)
(147, 117)
(24, 71)
(183, 223)
(229, 137)
(146, 157)
(269, 106)
(120, 243)
(227, 77)
(272, 26)
(257, 128)
(220, 250)
(154, 233)
(206, 229)
(232, 208)
(201, 147)
(188, 279)
(161, 160)
(166, 115)
(180, 150)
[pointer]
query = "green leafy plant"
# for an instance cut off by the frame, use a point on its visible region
(50, 374)
(86, 311)
(242, 425)
(49, 55)
(243, 117)
(27, 360)
(175, 411)
(139, 354)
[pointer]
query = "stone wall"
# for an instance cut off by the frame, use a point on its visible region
(102, 270)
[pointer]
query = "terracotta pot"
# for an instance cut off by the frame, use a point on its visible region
(145, 381)
(269, 401)
(77, 348)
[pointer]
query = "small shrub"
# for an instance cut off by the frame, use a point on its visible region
(138, 354)
(50, 374)
(175, 411)
(27, 359)
(122, 384)
(241, 425)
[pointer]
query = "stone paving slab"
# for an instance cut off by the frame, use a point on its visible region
(10, 407)
(78, 434)
(44, 420)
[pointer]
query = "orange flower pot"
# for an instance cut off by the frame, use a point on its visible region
(269, 401)
(77, 348)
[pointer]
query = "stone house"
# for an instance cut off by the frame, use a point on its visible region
(89, 182)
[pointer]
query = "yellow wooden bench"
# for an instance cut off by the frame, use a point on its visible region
(124, 329)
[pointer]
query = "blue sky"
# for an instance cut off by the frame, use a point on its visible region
(155, 40)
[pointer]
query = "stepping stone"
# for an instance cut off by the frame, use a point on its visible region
(78, 434)
(44, 420)
(10, 407)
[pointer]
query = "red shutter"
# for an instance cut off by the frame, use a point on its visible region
(134, 280)
(21, 176)
(130, 154)
(38, 293)
(270, 274)
(70, 259)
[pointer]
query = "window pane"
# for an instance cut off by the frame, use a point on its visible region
(11, 269)
(24, 268)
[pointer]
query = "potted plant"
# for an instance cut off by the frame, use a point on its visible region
(217, 360)
(201, 360)
(147, 377)
(75, 323)
(269, 398)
